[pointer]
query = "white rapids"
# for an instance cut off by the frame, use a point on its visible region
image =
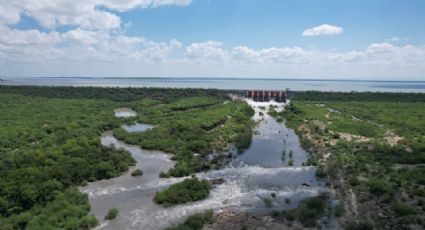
(250, 178)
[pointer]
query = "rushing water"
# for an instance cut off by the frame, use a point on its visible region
(251, 177)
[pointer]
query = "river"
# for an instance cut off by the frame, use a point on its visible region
(249, 178)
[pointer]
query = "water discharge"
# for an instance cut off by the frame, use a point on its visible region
(249, 178)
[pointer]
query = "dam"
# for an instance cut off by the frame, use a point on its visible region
(267, 95)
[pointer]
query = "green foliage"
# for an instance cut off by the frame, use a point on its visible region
(50, 145)
(68, 210)
(195, 222)
(361, 225)
(110, 93)
(268, 201)
(199, 126)
(137, 172)
(339, 210)
(320, 172)
(359, 96)
(112, 214)
(402, 209)
(309, 211)
(183, 192)
(291, 162)
(375, 167)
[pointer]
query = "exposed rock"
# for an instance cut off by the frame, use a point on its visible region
(228, 220)
(216, 181)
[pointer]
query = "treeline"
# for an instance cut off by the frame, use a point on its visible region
(47, 148)
(112, 93)
(358, 96)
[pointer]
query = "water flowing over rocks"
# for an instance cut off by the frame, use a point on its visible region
(238, 192)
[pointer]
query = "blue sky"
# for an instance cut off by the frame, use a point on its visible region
(265, 23)
(379, 39)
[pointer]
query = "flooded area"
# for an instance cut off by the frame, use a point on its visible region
(249, 179)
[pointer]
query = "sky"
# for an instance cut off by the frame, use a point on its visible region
(332, 39)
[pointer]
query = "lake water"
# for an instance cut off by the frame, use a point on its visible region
(248, 179)
(229, 83)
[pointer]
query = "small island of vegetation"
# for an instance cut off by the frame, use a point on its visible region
(112, 214)
(137, 172)
(186, 191)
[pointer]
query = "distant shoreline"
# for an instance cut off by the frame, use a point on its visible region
(224, 79)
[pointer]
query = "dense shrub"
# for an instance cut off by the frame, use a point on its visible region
(309, 211)
(137, 172)
(195, 222)
(112, 214)
(402, 209)
(186, 191)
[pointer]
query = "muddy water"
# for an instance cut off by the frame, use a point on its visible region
(251, 177)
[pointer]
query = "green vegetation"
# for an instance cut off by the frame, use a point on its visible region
(183, 192)
(137, 172)
(49, 143)
(320, 172)
(48, 146)
(191, 129)
(374, 144)
(195, 222)
(112, 214)
(268, 201)
(309, 211)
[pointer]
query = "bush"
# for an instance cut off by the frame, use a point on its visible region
(362, 225)
(112, 214)
(339, 210)
(320, 173)
(309, 211)
(195, 222)
(183, 192)
(268, 201)
(137, 172)
(402, 209)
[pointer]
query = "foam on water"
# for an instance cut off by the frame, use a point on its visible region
(247, 181)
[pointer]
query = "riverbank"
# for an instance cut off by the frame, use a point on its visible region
(255, 176)
(372, 152)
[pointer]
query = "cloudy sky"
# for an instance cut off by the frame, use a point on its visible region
(362, 39)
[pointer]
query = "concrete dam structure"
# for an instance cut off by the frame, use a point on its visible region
(267, 95)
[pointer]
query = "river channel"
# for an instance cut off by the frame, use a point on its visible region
(249, 178)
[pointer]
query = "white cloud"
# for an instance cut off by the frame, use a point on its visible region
(124, 5)
(82, 13)
(210, 50)
(97, 46)
(324, 29)
(380, 47)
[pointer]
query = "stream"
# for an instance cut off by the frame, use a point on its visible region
(249, 178)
